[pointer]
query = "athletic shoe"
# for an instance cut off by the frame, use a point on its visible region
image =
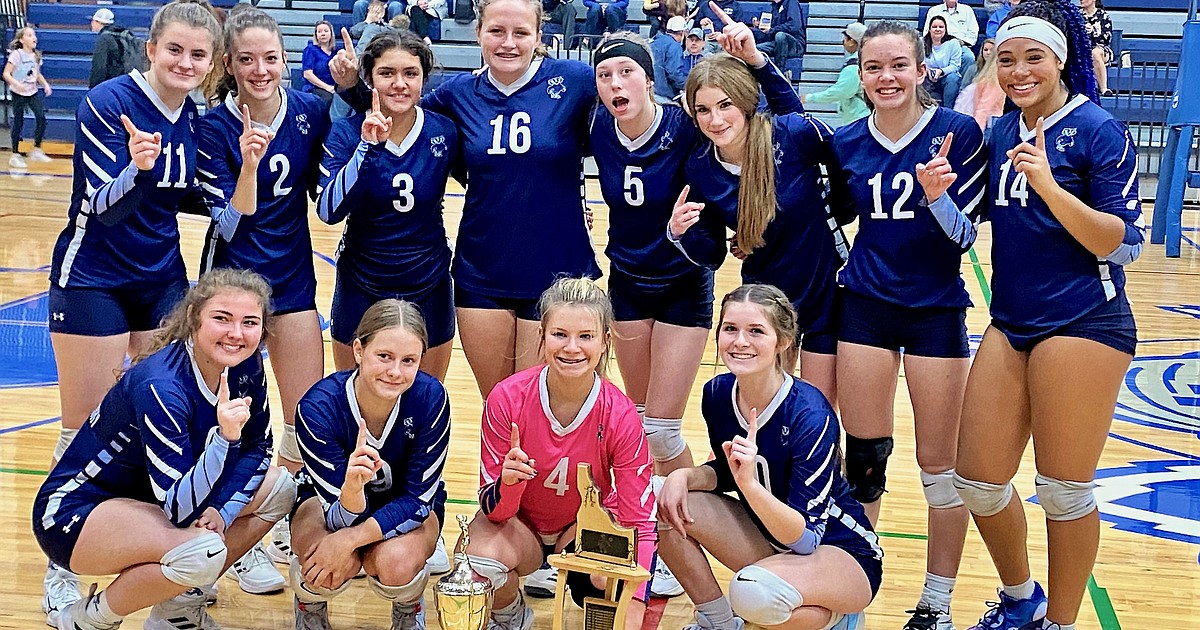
(928, 619)
(1037, 625)
(72, 618)
(439, 562)
(184, 612)
(541, 583)
(853, 621)
(703, 623)
(1011, 613)
(210, 593)
(408, 616)
(16, 161)
(61, 588)
(37, 155)
(280, 549)
(255, 573)
(519, 619)
(663, 582)
(314, 616)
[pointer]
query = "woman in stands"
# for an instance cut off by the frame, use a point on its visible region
(315, 61)
(385, 174)
(170, 481)
(1100, 32)
(802, 550)
(23, 74)
(1066, 219)
(538, 426)
(375, 440)
(915, 174)
(944, 63)
(117, 269)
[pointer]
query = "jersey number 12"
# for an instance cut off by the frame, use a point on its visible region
(903, 181)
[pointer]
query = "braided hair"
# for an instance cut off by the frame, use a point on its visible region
(1079, 74)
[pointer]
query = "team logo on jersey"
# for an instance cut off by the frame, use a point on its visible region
(1154, 498)
(556, 87)
(778, 154)
(302, 124)
(936, 146)
(1066, 139)
(437, 146)
(664, 143)
(1162, 392)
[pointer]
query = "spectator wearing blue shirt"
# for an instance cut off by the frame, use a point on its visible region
(706, 17)
(784, 37)
(317, 78)
(667, 50)
(944, 59)
(695, 49)
(998, 16)
(605, 16)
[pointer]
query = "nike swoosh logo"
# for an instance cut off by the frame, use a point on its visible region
(744, 579)
(212, 554)
(927, 485)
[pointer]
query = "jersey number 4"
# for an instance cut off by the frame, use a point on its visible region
(557, 480)
(1019, 190)
(519, 136)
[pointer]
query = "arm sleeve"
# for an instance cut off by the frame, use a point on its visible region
(1113, 187)
(359, 97)
(237, 489)
(954, 57)
(846, 86)
(993, 24)
(344, 156)
(422, 471)
(109, 174)
(183, 482)
(308, 59)
(498, 501)
(815, 466)
(781, 98)
(960, 210)
(633, 499)
(324, 461)
(214, 168)
(841, 200)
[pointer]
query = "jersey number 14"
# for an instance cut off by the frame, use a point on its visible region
(1020, 187)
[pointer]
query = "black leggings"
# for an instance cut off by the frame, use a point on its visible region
(35, 104)
(419, 21)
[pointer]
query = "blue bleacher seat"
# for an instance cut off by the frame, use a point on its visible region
(44, 15)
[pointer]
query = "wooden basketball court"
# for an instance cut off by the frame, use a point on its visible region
(1149, 485)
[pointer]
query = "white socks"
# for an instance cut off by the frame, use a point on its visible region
(937, 592)
(1020, 591)
(719, 612)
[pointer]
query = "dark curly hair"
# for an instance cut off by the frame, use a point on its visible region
(1079, 75)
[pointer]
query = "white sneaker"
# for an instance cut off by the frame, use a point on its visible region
(541, 583)
(73, 618)
(255, 573)
(853, 621)
(184, 612)
(37, 155)
(280, 549)
(16, 161)
(314, 616)
(703, 623)
(519, 619)
(61, 588)
(663, 582)
(408, 616)
(439, 562)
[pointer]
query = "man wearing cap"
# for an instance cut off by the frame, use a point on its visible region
(667, 51)
(107, 57)
(846, 92)
(696, 48)
(782, 37)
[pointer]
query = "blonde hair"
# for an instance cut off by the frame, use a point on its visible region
(756, 190)
(16, 44)
(539, 15)
(584, 293)
(189, 13)
(987, 72)
(781, 316)
(390, 313)
(184, 320)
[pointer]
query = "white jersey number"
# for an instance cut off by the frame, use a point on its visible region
(763, 471)
(181, 182)
(557, 479)
(519, 136)
(635, 192)
(279, 164)
(382, 481)
(403, 183)
(904, 183)
(1020, 187)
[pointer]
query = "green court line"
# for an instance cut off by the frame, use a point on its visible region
(983, 283)
(24, 471)
(1103, 606)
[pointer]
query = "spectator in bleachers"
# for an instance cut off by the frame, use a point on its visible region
(604, 16)
(108, 57)
(696, 48)
(659, 11)
(706, 17)
(562, 13)
(962, 25)
(944, 60)
(783, 37)
(983, 99)
(317, 78)
(847, 91)
(23, 74)
(373, 24)
(1100, 30)
(425, 15)
(363, 7)
(667, 50)
(998, 16)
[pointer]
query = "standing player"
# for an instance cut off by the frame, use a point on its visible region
(909, 167)
(262, 131)
(385, 173)
(1064, 206)
(375, 440)
(117, 269)
(802, 550)
(560, 414)
(178, 455)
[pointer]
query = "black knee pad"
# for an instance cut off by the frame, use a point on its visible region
(581, 586)
(866, 466)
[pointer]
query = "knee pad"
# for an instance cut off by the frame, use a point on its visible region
(761, 597)
(405, 594)
(197, 562)
(65, 437)
(581, 587)
(490, 569)
(289, 446)
(866, 466)
(665, 436)
(306, 592)
(939, 490)
(982, 498)
(281, 498)
(1065, 500)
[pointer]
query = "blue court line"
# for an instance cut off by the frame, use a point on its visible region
(25, 269)
(30, 425)
(1154, 447)
(332, 262)
(1190, 241)
(24, 172)
(1142, 341)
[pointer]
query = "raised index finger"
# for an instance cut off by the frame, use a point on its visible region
(246, 119)
(349, 43)
(128, 124)
(514, 437)
(945, 150)
(374, 100)
(1041, 133)
(752, 433)
(362, 434)
(683, 195)
(223, 388)
(725, 19)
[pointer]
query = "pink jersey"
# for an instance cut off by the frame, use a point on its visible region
(607, 433)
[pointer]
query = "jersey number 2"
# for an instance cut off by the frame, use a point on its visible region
(279, 164)
(903, 182)
(519, 136)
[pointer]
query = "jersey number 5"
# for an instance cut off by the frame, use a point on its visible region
(519, 136)
(903, 182)
(635, 193)
(1020, 186)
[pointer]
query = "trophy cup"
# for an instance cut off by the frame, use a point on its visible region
(463, 598)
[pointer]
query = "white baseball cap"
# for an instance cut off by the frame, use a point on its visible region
(677, 24)
(103, 16)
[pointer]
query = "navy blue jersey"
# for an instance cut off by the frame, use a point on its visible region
(1042, 278)
(274, 241)
(413, 447)
(901, 253)
(155, 439)
(395, 239)
(799, 461)
(121, 228)
(523, 149)
(803, 245)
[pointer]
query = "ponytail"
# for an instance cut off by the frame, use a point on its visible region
(756, 192)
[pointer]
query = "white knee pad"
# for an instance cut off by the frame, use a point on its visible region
(939, 490)
(761, 597)
(65, 437)
(280, 499)
(490, 569)
(289, 446)
(405, 594)
(197, 562)
(306, 592)
(665, 436)
(982, 498)
(1065, 500)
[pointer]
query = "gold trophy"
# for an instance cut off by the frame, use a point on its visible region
(463, 597)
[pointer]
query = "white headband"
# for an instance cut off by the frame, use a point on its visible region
(1038, 30)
